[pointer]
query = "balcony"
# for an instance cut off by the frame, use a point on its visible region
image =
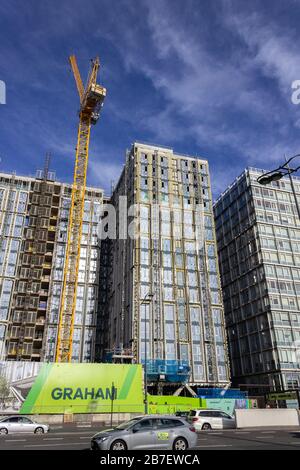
(12, 352)
(36, 352)
(38, 338)
(14, 335)
(42, 306)
(40, 321)
(17, 319)
(44, 293)
(26, 352)
(28, 336)
(46, 265)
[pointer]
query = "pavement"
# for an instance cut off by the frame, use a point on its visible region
(78, 438)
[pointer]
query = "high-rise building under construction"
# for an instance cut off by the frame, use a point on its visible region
(34, 221)
(148, 287)
(164, 303)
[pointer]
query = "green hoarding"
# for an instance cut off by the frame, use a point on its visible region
(169, 404)
(86, 388)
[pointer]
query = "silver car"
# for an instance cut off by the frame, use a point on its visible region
(147, 432)
(16, 424)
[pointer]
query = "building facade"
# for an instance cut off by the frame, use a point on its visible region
(165, 302)
(258, 236)
(33, 227)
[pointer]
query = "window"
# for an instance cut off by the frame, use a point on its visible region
(166, 243)
(180, 278)
(168, 423)
(195, 314)
(169, 330)
(145, 274)
(168, 276)
(168, 293)
(215, 297)
(169, 312)
(143, 425)
(193, 294)
(170, 350)
(179, 260)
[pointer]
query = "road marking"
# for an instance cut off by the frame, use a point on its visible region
(53, 438)
(242, 432)
(264, 437)
(47, 445)
(294, 443)
(16, 440)
(268, 432)
(85, 437)
(70, 433)
(215, 445)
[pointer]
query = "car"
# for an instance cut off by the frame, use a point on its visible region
(211, 419)
(16, 424)
(147, 432)
(182, 414)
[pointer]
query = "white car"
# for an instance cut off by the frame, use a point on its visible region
(16, 424)
(211, 419)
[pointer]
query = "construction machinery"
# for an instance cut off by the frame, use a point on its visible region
(91, 101)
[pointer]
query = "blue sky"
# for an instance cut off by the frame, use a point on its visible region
(208, 78)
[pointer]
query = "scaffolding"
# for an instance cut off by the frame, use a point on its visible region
(31, 293)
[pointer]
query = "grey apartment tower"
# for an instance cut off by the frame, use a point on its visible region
(258, 236)
(165, 303)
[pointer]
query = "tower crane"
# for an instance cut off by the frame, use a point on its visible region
(91, 101)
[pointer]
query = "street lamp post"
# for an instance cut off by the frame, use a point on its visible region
(280, 172)
(149, 297)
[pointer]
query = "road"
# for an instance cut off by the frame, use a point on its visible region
(79, 439)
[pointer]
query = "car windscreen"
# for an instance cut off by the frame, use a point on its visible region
(128, 423)
(193, 413)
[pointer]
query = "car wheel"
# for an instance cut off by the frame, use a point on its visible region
(39, 431)
(3, 431)
(180, 444)
(118, 445)
(206, 427)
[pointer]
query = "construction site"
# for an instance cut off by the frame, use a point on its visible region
(68, 295)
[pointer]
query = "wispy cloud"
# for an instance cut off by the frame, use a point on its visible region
(105, 174)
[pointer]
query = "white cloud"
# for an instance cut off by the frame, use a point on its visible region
(273, 50)
(104, 174)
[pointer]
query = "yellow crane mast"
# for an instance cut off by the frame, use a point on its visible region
(91, 101)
